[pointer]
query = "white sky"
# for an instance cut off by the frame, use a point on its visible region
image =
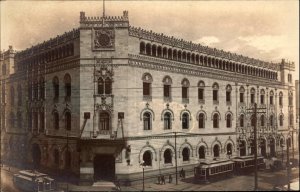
(266, 30)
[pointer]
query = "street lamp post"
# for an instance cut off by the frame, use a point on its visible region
(143, 165)
(282, 155)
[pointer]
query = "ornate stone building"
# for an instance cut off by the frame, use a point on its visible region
(103, 98)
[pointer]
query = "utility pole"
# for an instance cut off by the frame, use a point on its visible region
(255, 143)
(255, 146)
(176, 160)
(288, 163)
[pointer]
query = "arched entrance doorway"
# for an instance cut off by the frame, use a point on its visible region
(263, 147)
(242, 148)
(36, 155)
(104, 167)
(272, 147)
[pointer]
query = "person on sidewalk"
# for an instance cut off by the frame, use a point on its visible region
(170, 178)
(158, 179)
(163, 181)
(181, 173)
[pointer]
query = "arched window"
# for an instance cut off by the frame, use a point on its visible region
(55, 88)
(19, 95)
(147, 121)
(262, 121)
(159, 51)
(252, 96)
(168, 156)
(154, 50)
(216, 120)
(68, 120)
(167, 120)
(271, 120)
(271, 98)
(185, 154)
(215, 93)
(202, 152)
(201, 120)
(242, 94)
(280, 99)
(185, 120)
(228, 94)
(228, 120)
(147, 81)
(67, 81)
(201, 87)
(100, 86)
(56, 120)
(142, 48)
(216, 151)
(67, 159)
(148, 49)
(281, 120)
(56, 157)
(12, 96)
(167, 81)
(185, 90)
(229, 149)
(242, 117)
(42, 88)
(262, 97)
(104, 121)
(147, 158)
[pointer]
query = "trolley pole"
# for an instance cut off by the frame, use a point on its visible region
(176, 160)
(255, 148)
(288, 164)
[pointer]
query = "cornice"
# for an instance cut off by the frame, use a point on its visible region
(196, 70)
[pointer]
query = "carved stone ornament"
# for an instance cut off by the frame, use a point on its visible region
(104, 39)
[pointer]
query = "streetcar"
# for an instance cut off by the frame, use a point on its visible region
(33, 181)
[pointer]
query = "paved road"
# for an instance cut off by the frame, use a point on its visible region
(266, 181)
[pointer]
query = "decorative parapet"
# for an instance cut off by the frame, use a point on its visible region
(188, 45)
(106, 21)
(60, 39)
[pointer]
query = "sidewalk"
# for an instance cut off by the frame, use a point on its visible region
(266, 182)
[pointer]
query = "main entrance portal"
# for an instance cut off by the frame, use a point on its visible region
(104, 167)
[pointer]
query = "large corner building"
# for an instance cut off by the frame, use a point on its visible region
(97, 101)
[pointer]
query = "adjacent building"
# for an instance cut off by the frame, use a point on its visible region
(100, 101)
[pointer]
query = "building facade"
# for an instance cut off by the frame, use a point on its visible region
(105, 99)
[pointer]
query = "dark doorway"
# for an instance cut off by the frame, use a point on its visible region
(242, 148)
(36, 155)
(104, 167)
(272, 147)
(263, 148)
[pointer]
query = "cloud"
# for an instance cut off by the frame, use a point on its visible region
(208, 40)
(265, 43)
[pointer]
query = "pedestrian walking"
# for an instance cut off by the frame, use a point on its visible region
(158, 179)
(181, 173)
(170, 178)
(163, 181)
